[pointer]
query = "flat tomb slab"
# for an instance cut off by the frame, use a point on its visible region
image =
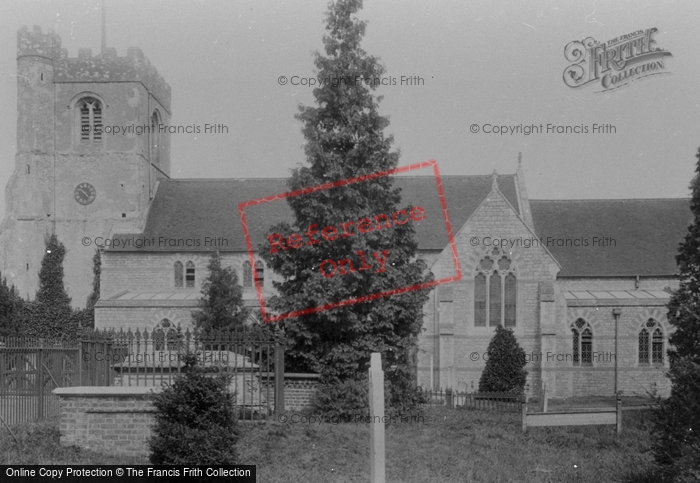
(571, 419)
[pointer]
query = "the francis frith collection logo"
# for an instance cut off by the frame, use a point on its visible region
(614, 63)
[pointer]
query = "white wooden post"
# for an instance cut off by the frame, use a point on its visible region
(544, 398)
(376, 413)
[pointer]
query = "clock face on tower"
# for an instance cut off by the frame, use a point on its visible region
(85, 193)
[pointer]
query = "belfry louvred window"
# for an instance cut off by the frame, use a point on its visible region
(90, 120)
(495, 290)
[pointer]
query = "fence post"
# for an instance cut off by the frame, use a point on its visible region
(448, 398)
(40, 381)
(376, 414)
(79, 363)
(618, 405)
(523, 411)
(108, 368)
(279, 379)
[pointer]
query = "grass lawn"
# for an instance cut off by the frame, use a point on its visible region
(448, 446)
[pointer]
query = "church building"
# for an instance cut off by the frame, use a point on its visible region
(565, 275)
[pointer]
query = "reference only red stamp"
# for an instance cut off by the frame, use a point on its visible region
(422, 204)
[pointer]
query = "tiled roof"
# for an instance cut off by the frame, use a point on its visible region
(646, 232)
(646, 235)
(617, 294)
(204, 209)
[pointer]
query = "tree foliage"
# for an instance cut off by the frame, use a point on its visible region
(504, 370)
(12, 310)
(677, 422)
(85, 318)
(221, 305)
(96, 273)
(677, 428)
(344, 139)
(51, 313)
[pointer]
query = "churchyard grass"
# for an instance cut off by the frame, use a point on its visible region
(447, 446)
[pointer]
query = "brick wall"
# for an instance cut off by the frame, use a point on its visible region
(299, 389)
(118, 419)
(115, 420)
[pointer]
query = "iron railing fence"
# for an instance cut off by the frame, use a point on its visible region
(31, 368)
(494, 401)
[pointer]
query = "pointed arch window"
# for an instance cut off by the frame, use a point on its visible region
(651, 343)
(189, 274)
(582, 343)
(90, 110)
(178, 268)
(247, 275)
(495, 290)
(260, 273)
(164, 335)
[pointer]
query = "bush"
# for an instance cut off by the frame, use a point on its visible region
(342, 400)
(349, 400)
(504, 368)
(195, 422)
(404, 399)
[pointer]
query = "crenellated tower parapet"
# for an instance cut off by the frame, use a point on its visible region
(86, 67)
(39, 44)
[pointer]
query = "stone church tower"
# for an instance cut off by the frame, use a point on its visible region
(89, 154)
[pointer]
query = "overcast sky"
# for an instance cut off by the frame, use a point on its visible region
(481, 62)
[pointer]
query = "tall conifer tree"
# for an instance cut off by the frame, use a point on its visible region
(344, 139)
(684, 306)
(677, 431)
(51, 312)
(221, 306)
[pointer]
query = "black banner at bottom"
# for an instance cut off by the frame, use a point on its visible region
(130, 474)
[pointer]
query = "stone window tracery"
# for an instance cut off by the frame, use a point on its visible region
(164, 335)
(651, 343)
(247, 275)
(582, 343)
(495, 290)
(260, 272)
(189, 274)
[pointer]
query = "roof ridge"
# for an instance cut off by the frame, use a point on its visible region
(284, 179)
(616, 199)
(224, 179)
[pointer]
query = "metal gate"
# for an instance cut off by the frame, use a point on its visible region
(30, 369)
